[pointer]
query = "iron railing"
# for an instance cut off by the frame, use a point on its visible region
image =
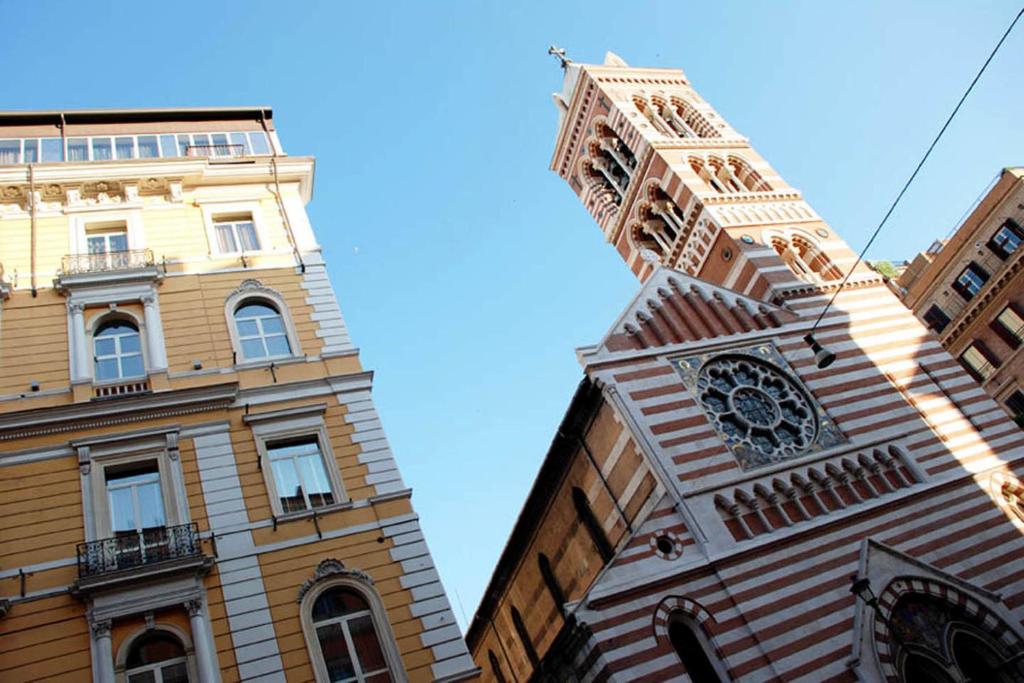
(111, 261)
(223, 150)
(132, 550)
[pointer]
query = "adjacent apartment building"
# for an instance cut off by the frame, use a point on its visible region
(969, 290)
(195, 483)
(717, 481)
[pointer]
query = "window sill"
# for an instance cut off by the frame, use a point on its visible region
(267, 362)
(318, 512)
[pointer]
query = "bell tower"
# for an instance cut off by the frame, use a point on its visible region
(671, 182)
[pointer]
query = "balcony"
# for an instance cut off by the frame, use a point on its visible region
(146, 554)
(107, 267)
(215, 150)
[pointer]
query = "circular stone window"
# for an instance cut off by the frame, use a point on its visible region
(762, 414)
(667, 545)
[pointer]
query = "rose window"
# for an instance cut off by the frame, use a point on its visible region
(763, 414)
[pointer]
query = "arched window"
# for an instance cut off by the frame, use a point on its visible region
(687, 117)
(117, 349)
(261, 331)
(495, 666)
(938, 641)
(349, 647)
(524, 636)
(682, 632)
(594, 529)
(157, 657)
(551, 581)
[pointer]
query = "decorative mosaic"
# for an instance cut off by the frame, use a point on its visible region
(757, 405)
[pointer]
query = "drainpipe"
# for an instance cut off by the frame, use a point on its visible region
(32, 225)
(277, 193)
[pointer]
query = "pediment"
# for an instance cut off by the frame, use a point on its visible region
(674, 307)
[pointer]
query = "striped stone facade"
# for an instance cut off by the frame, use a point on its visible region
(740, 565)
(227, 574)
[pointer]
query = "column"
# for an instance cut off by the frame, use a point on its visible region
(78, 342)
(201, 640)
(154, 334)
(104, 651)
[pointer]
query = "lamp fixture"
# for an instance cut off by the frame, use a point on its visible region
(822, 356)
(861, 588)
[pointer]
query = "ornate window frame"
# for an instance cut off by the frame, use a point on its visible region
(252, 289)
(101, 318)
(827, 434)
(121, 660)
(332, 573)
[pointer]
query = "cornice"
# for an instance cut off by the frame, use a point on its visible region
(58, 419)
(14, 180)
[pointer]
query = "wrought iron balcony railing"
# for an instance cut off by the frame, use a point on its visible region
(133, 550)
(215, 150)
(112, 261)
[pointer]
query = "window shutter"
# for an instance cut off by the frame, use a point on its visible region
(987, 353)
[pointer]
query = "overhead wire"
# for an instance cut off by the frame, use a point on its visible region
(860, 257)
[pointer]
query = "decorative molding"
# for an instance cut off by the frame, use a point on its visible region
(40, 421)
(331, 568)
(315, 409)
(100, 629)
(194, 607)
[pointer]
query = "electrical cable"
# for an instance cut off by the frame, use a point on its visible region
(860, 257)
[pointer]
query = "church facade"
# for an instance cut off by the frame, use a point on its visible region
(716, 488)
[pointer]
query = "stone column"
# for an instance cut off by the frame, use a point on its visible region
(154, 334)
(104, 651)
(206, 659)
(78, 342)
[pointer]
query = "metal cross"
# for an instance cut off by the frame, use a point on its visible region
(559, 53)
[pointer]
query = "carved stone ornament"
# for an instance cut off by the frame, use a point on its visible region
(194, 607)
(329, 569)
(100, 629)
(757, 405)
(251, 286)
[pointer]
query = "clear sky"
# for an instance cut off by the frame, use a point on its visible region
(468, 272)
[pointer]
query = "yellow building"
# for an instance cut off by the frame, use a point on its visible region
(195, 483)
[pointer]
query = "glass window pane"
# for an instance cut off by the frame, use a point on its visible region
(101, 150)
(252, 349)
(151, 505)
(289, 488)
(248, 328)
(147, 147)
(10, 151)
(183, 145)
(335, 652)
(124, 148)
(240, 141)
(254, 311)
(273, 325)
(315, 479)
(122, 509)
(118, 241)
(104, 347)
(277, 345)
(225, 238)
(168, 146)
(174, 673)
(220, 144)
(53, 149)
(364, 640)
(78, 149)
(107, 368)
(259, 144)
(202, 141)
(131, 366)
(129, 343)
(142, 677)
(31, 151)
(247, 236)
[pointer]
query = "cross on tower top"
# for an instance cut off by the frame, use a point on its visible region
(559, 53)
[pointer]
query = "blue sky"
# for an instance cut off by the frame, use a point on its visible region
(467, 271)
